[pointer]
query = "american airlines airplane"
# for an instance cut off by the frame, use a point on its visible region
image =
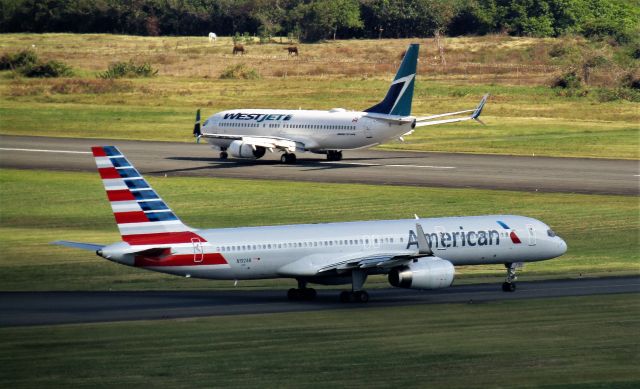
(415, 253)
(249, 133)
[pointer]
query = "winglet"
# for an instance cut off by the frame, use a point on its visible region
(423, 246)
(476, 114)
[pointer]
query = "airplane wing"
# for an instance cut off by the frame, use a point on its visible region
(316, 264)
(268, 142)
(429, 120)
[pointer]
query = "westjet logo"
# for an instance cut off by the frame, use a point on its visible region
(259, 117)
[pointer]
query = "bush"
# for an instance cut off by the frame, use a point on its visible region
(128, 70)
(11, 61)
(45, 69)
(239, 71)
(632, 80)
(568, 80)
(613, 94)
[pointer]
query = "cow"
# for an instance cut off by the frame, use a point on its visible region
(212, 37)
(293, 50)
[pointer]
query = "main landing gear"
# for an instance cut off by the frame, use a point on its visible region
(334, 155)
(356, 294)
(288, 158)
(302, 293)
(510, 283)
(223, 154)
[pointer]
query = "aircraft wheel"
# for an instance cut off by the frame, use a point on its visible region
(338, 156)
(362, 296)
(224, 155)
(288, 158)
(293, 294)
(345, 296)
(309, 294)
(508, 287)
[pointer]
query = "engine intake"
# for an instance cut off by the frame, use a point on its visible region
(240, 149)
(431, 273)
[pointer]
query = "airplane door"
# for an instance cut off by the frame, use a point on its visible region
(531, 231)
(367, 131)
(198, 250)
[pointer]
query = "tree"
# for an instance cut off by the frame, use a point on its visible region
(318, 19)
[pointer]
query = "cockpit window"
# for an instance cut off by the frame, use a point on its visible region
(551, 233)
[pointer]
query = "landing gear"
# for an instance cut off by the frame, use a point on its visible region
(302, 293)
(224, 155)
(288, 158)
(510, 283)
(356, 294)
(354, 297)
(334, 155)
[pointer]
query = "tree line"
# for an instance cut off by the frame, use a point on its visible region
(314, 20)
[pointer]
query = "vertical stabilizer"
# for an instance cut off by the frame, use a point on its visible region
(142, 217)
(400, 95)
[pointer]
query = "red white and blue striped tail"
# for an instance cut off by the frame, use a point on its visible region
(142, 217)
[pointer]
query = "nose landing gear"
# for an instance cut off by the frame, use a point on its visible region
(510, 282)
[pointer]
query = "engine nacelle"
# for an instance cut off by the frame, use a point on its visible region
(427, 273)
(240, 149)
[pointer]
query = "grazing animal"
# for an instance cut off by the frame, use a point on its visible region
(293, 50)
(212, 37)
(237, 48)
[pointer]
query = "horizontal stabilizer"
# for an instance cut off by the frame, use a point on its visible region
(79, 245)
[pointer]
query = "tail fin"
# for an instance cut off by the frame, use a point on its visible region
(400, 95)
(142, 217)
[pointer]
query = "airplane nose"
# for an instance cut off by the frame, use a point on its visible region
(562, 246)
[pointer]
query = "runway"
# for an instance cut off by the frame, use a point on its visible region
(544, 174)
(49, 308)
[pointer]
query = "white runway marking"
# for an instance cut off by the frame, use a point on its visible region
(47, 151)
(380, 164)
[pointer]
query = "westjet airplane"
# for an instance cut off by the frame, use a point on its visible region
(415, 253)
(249, 133)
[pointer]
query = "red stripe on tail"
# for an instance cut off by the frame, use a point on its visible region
(131, 217)
(107, 173)
(98, 152)
(120, 195)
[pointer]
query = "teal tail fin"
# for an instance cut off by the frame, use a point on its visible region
(400, 95)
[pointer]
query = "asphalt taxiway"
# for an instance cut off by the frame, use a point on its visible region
(47, 308)
(570, 175)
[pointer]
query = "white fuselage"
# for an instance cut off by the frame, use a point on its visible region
(287, 251)
(315, 131)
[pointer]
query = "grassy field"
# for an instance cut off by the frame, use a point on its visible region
(524, 116)
(585, 342)
(601, 231)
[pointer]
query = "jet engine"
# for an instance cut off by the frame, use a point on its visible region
(240, 149)
(426, 273)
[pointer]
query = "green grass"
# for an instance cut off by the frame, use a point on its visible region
(585, 342)
(524, 116)
(38, 207)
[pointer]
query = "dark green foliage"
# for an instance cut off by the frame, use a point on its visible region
(46, 69)
(239, 71)
(320, 19)
(11, 61)
(129, 70)
(568, 80)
